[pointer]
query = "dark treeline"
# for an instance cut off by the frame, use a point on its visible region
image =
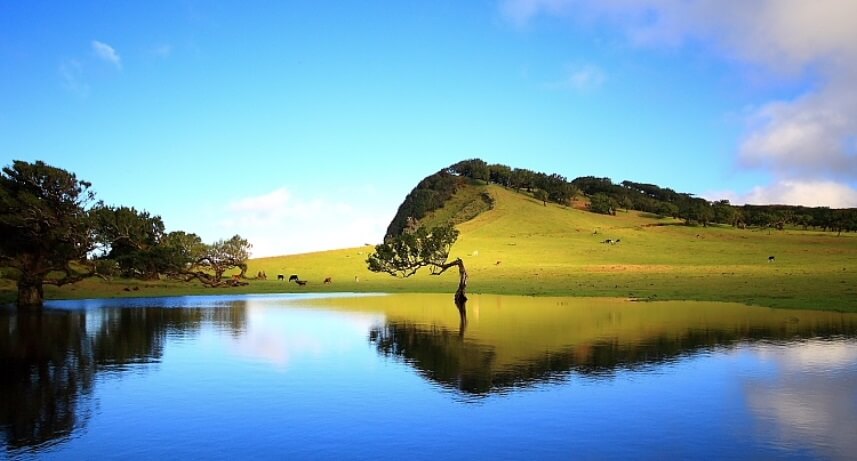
(607, 197)
(52, 224)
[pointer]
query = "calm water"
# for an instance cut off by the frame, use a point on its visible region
(408, 377)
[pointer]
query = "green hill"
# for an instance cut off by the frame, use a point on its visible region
(521, 246)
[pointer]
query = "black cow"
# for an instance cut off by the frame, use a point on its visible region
(281, 277)
(771, 259)
(300, 282)
(293, 278)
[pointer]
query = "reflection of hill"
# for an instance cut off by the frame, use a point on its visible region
(49, 361)
(517, 341)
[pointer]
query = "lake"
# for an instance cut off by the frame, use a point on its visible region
(412, 377)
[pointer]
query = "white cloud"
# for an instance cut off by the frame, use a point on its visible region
(794, 192)
(71, 75)
(278, 223)
(106, 52)
(810, 137)
(581, 78)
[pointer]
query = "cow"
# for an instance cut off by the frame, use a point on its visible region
(771, 259)
(293, 278)
(328, 280)
(301, 282)
(281, 277)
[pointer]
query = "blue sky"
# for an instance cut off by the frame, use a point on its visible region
(302, 125)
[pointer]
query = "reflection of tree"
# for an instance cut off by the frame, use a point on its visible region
(49, 360)
(47, 375)
(473, 368)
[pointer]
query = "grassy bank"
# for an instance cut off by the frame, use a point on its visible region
(523, 247)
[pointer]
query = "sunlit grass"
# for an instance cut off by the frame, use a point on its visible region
(522, 247)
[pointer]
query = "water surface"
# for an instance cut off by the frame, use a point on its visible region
(409, 376)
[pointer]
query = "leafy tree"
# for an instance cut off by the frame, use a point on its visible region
(130, 238)
(221, 256)
(541, 195)
(724, 212)
(473, 169)
(523, 178)
(500, 174)
(603, 203)
(403, 255)
(44, 226)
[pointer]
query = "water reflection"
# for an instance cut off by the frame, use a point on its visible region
(809, 397)
(592, 340)
(294, 377)
(50, 360)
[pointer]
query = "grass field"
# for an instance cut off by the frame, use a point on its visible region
(522, 247)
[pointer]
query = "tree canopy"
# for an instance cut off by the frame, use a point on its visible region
(404, 255)
(45, 226)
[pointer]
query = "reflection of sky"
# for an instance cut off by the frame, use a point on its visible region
(279, 335)
(811, 399)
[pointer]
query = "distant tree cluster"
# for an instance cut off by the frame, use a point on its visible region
(54, 232)
(605, 197)
(554, 187)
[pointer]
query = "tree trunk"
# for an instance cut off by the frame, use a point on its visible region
(31, 295)
(460, 293)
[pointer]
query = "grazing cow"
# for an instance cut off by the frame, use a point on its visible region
(281, 277)
(293, 277)
(608, 241)
(771, 259)
(617, 241)
(300, 282)
(328, 280)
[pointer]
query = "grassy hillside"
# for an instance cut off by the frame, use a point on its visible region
(523, 247)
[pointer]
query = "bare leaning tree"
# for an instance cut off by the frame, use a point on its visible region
(405, 254)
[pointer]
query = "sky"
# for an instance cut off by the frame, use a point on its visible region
(302, 125)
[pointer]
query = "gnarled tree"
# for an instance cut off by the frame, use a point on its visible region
(44, 227)
(220, 257)
(403, 255)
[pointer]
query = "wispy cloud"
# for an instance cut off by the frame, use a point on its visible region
(163, 50)
(71, 77)
(279, 223)
(106, 52)
(794, 192)
(800, 140)
(581, 78)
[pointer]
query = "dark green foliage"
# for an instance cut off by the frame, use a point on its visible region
(603, 203)
(403, 255)
(130, 238)
(430, 194)
(44, 225)
(473, 168)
